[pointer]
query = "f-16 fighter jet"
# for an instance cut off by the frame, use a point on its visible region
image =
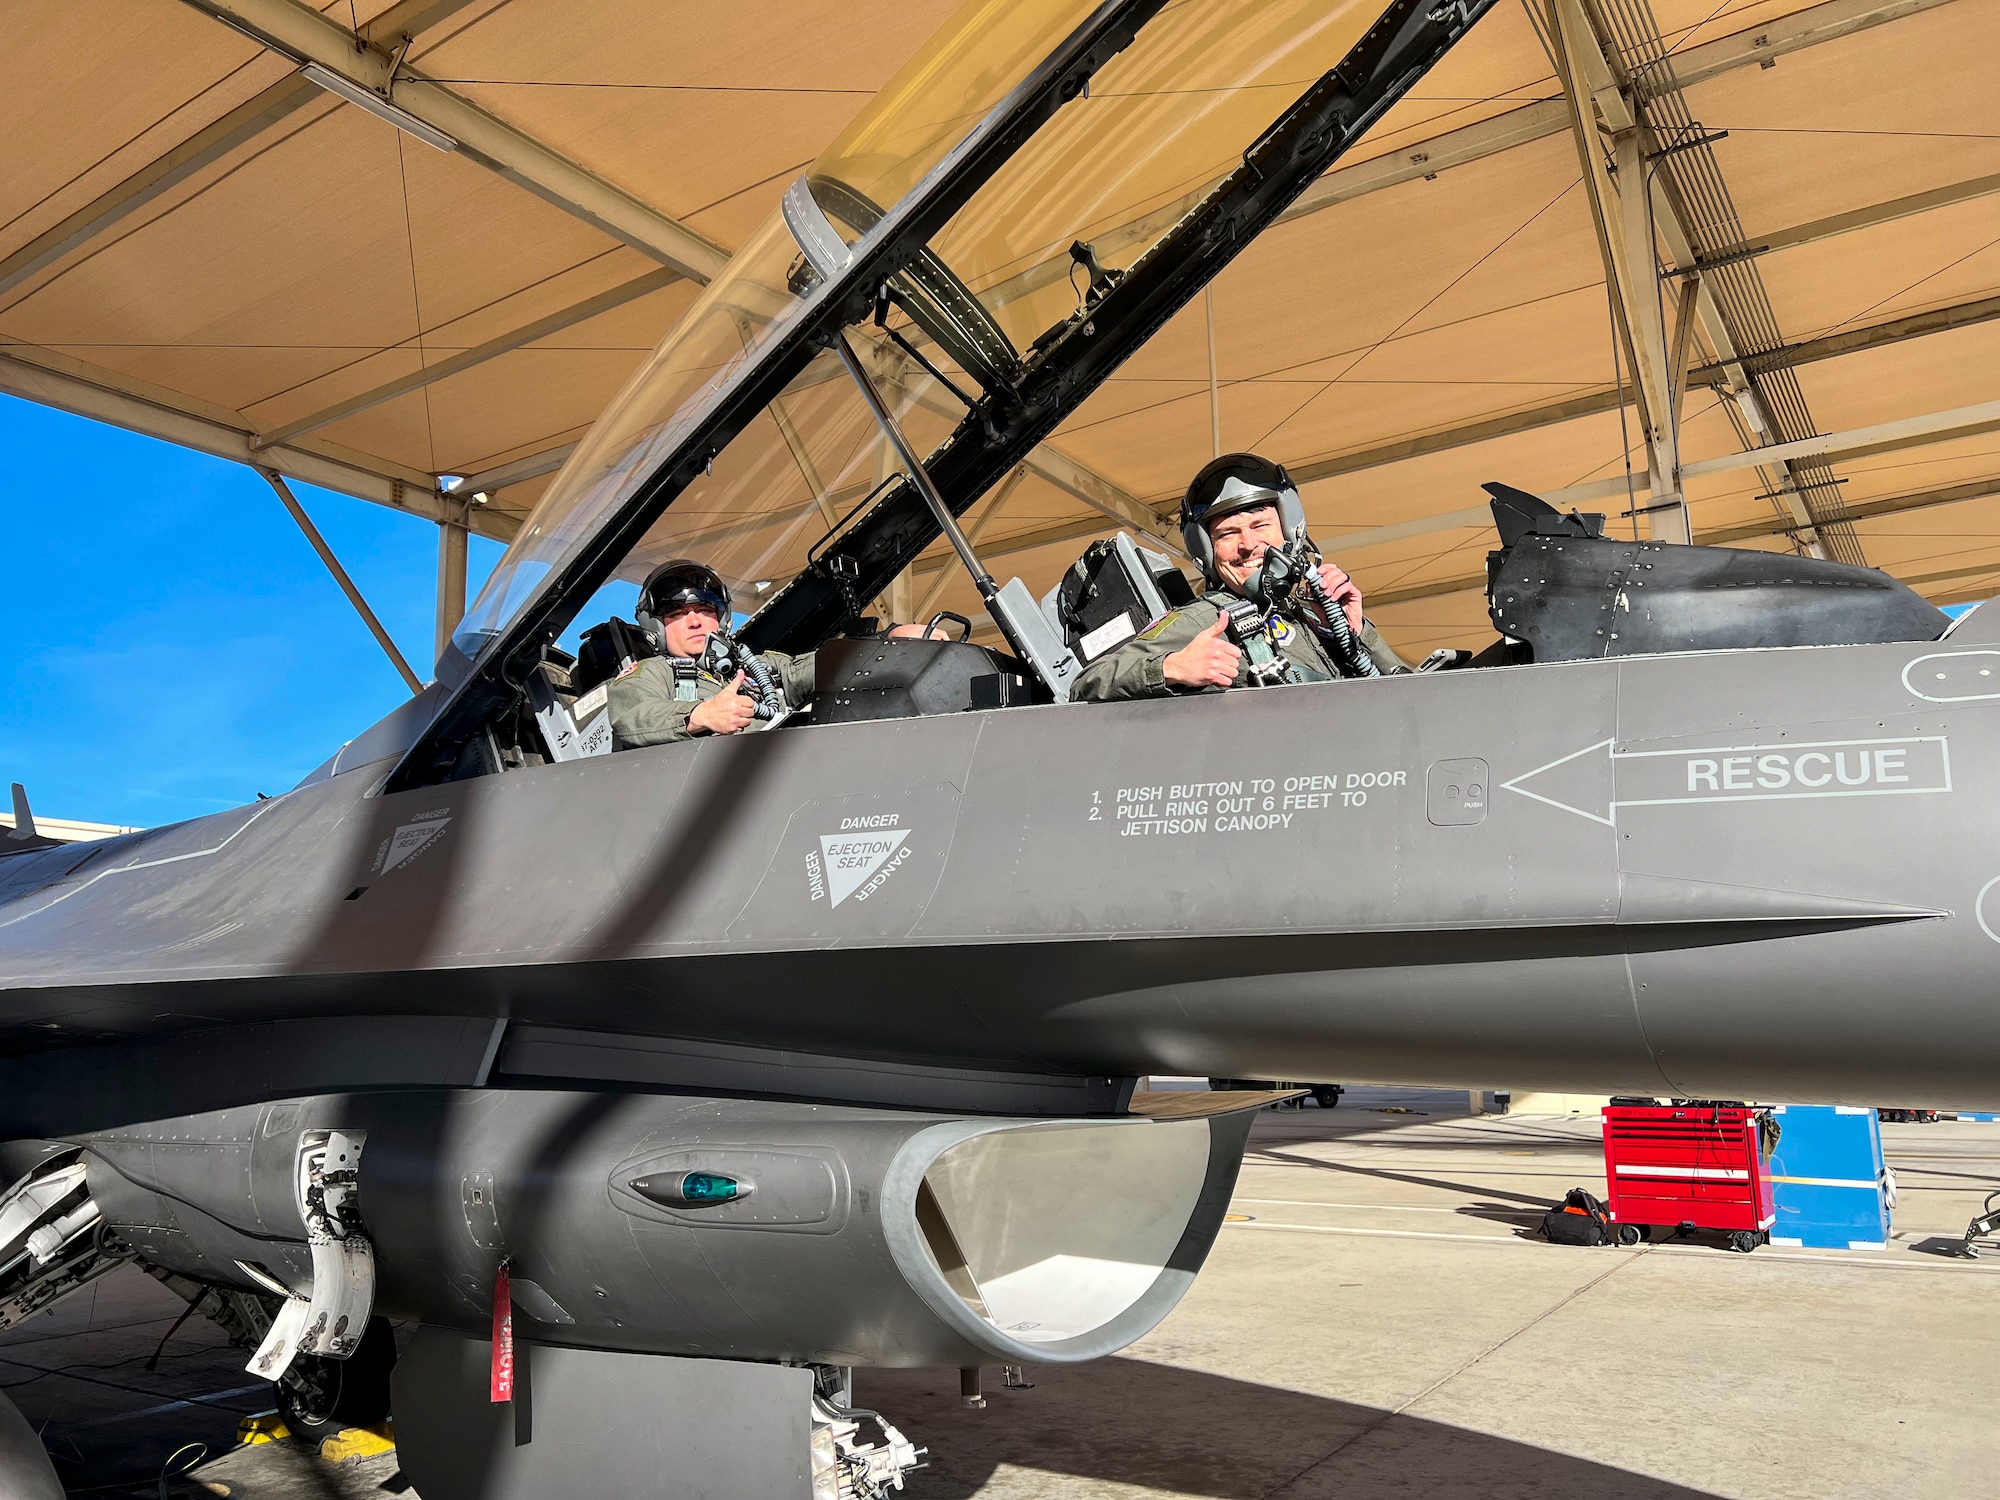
(666, 1086)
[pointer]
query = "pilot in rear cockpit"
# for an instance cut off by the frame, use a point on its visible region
(1265, 616)
(687, 690)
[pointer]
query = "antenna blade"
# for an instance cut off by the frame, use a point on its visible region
(24, 819)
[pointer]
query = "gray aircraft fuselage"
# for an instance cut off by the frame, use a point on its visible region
(1720, 874)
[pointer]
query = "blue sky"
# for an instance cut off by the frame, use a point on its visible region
(177, 647)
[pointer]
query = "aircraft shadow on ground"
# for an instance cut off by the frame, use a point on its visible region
(109, 1428)
(1268, 1157)
(1186, 1432)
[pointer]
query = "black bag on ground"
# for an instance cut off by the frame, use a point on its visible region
(1579, 1219)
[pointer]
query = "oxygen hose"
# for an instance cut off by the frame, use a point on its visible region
(1297, 562)
(725, 654)
(769, 698)
(1345, 646)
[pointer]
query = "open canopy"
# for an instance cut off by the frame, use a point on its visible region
(200, 241)
(1154, 129)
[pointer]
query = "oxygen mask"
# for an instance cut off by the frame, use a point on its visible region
(1288, 579)
(724, 655)
(1275, 582)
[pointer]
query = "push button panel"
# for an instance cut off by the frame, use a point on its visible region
(1455, 792)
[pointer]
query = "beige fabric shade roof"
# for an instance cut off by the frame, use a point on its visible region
(198, 241)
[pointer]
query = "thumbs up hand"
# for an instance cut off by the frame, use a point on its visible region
(1209, 660)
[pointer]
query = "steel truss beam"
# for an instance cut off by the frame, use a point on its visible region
(452, 534)
(1524, 126)
(1869, 336)
(444, 369)
(1886, 437)
(169, 415)
(1545, 118)
(1878, 213)
(73, 385)
(347, 584)
(210, 144)
(514, 471)
(305, 36)
(1622, 213)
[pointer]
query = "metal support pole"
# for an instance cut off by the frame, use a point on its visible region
(340, 577)
(903, 597)
(1621, 210)
(1001, 495)
(914, 467)
(1038, 643)
(450, 581)
(1651, 357)
(1214, 387)
(896, 601)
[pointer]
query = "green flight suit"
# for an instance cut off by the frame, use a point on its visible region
(1135, 668)
(650, 706)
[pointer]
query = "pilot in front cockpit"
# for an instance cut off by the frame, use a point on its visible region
(1257, 623)
(684, 692)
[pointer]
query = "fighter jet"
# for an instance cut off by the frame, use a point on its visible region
(663, 1088)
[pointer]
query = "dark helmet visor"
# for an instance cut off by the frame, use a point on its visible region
(678, 584)
(1236, 481)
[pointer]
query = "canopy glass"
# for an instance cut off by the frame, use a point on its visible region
(1115, 167)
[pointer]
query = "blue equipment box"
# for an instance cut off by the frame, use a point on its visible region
(1829, 1183)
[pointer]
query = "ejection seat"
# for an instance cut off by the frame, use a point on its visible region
(858, 677)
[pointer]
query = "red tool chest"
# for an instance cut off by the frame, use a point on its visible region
(1700, 1164)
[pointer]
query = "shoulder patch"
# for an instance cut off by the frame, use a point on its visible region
(629, 670)
(1155, 630)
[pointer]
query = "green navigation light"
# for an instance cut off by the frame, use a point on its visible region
(699, 1189)
(691, 1189)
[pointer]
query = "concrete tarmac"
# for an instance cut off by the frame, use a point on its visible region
(1378, 1319)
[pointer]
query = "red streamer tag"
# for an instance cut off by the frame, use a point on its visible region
(503, 1336)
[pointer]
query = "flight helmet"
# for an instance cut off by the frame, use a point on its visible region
(1233, 482)
(673, 584)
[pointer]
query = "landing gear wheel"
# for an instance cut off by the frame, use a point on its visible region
(1743, 1241)
(1630, 1234)
(1327, 1095)
(319, 1396)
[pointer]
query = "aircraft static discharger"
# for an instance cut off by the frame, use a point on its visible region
(724, 1066)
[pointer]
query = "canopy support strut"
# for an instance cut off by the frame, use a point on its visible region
(1011, 608)
(276, 481)
(914, 467)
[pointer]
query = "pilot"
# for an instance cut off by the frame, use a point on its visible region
(675, 696)
(1238, 507)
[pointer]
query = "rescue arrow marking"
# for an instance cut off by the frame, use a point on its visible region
(1610, 806)
(1889, 767)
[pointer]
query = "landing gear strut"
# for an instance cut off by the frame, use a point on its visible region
(319, 1396)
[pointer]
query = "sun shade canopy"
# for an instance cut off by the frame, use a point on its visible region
(211, 244)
